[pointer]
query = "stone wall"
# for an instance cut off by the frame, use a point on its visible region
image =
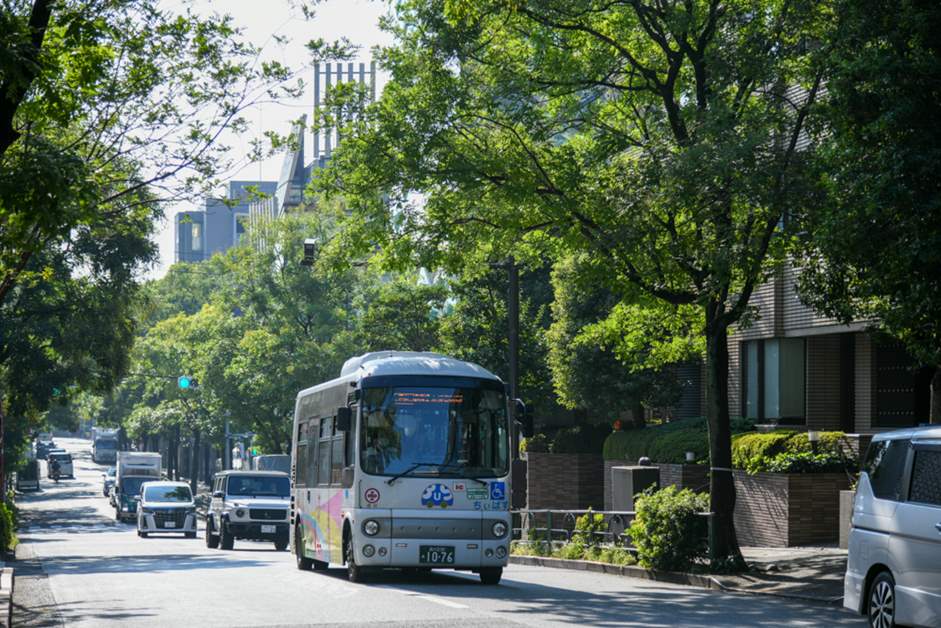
(788, 509)
(565, 481)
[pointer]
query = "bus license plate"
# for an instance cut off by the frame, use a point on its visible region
(267, 529)
(436, 554)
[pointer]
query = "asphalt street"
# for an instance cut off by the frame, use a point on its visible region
(77, 567)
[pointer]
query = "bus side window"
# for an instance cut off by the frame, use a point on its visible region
(313, 435)
(339, 458)
(351, 441)
(323, 451)
(300, 461)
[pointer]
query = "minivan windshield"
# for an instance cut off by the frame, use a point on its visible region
(434, 431)
(167, 494)
(259, 485)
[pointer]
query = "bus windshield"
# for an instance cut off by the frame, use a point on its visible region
(440, 431)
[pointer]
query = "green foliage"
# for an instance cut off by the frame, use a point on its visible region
(573, 550)
(8, 521)
(580, 439)
(668, 533)
(586, 372)
(781, 450)
(804, 462)
(666, 442)
(871, 249)
(537, 443)
(616, 556)
(586, 528)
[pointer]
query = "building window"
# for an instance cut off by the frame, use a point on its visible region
(773, 374)
(196, 232)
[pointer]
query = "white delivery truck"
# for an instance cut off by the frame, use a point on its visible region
(104, 446)
(134, 468)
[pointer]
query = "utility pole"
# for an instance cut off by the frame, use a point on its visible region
(513, 318)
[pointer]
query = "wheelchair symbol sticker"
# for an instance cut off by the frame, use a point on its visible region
(497, 491)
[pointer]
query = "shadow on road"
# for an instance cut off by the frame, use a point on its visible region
(148, 563)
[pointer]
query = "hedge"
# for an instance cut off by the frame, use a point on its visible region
(667, 442)
(752, 451)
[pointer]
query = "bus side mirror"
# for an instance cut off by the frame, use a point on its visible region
(344, 419)
(524, 418)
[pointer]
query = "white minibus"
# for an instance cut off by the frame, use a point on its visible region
(402, 462)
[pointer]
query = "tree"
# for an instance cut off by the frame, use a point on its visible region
(586, 370)
(400, 315)
(872, 251)
(662, 139)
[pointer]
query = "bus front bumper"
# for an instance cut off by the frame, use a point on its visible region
(467, 554)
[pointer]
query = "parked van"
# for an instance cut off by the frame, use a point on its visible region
(893, 571)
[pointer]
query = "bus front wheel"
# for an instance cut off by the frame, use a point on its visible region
(303, 563)
(354, 572)
(491, 575)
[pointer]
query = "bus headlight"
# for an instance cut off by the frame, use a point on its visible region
(498, 529)
(371, 527)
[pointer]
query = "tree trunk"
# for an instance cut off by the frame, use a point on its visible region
(934, 415)
(723, 543)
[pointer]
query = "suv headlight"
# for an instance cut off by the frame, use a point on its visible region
(498, 529)
(371, 527)
(239, 513)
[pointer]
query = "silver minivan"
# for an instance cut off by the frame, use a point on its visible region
(893, 571)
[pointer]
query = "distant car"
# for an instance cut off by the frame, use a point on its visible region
(893, 570)
(251, 505)
(43, 447)
(65, 464)
(107, 480)
(166, 507)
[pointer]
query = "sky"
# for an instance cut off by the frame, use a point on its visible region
(357, 20)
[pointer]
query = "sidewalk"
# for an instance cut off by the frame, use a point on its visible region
(813, 573)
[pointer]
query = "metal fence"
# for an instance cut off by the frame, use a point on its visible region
(558, 526)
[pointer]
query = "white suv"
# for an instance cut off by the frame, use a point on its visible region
(166, 507)
(249, 505)
(893, 571)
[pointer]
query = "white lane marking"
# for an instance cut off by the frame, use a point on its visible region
(432, 598)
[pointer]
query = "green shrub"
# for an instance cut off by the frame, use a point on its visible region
(616, 556)
(667, 442)
(580, 439)
(668, 533)
(747, 448)
(573, 550)
(806, 462)
(537, 443)
(671, 447)
(7, 526)
(586, 527)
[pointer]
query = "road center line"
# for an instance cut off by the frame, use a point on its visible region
(433, 598)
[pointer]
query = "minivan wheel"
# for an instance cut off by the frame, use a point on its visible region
(212, 541)
(881, 605)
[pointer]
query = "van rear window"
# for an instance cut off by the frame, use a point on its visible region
(885, 464)
(926, 477)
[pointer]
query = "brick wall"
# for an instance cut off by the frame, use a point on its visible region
(565, 481)
(823, 382)
(786, 510)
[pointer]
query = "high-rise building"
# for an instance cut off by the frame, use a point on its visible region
(198, 234)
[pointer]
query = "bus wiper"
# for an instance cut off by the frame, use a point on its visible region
(410, 469)
(431, 464)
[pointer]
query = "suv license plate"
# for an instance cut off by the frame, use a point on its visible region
(268, 529)
(436, 554)
(169, 524)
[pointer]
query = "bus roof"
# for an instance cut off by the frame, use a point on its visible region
(403, 363)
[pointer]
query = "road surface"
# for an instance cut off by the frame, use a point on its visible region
(78, 567)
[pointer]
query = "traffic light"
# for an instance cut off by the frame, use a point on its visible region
(184, 382)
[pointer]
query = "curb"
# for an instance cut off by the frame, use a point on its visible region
(6, 596)
(671, 577)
